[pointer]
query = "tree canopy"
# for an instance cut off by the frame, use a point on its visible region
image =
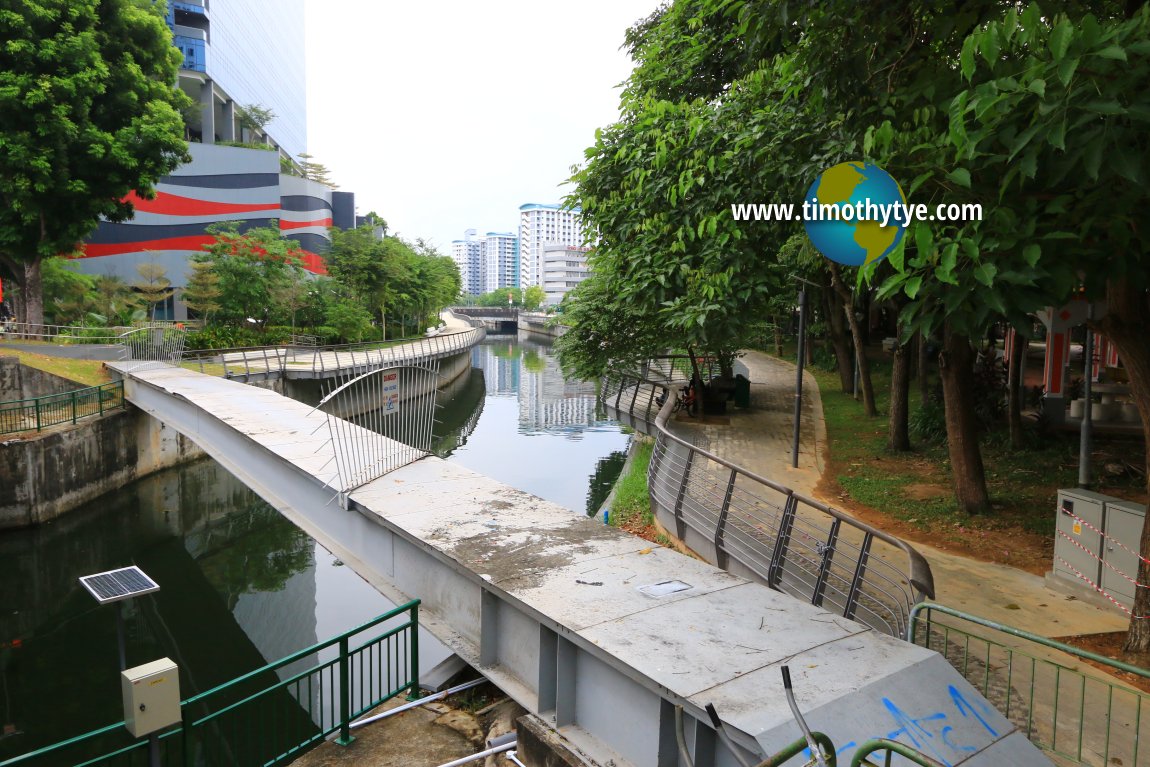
(90, 114)
(1036, 112)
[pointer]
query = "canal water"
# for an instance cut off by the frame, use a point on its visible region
(241, 586)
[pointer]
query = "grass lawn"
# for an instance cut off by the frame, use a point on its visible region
(911, 494)
(85, 372)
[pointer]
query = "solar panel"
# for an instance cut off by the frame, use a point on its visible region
(114, 585)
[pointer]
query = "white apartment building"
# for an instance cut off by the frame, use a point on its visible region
(468, 255)
(541, 225)
(564, 267)
(500, 261)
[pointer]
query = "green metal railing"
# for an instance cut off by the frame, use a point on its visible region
(68, 407)
(891, 748)
(1089, 719)
(273, 714)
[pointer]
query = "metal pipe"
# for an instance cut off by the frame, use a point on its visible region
(680, 739)
(480, 755)
(1086, 430)
(417, 703)
(799, 377)
(816, 752)
(717, 723)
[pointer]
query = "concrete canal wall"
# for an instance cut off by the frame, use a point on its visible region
(45, 475)
(539, 325)
(51, 473)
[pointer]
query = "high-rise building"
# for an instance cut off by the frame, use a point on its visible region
(564, 267)
(500, 261)
(468, 255)
(541, 225)
(237, 54)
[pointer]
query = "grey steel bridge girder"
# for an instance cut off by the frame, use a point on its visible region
(550, 606)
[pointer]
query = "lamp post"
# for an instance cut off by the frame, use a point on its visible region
(799, 369)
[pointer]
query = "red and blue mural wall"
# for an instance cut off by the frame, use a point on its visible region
(220, 184)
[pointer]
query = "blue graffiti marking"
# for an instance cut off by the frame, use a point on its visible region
(913, 729)
(946, 739)
(964, 706)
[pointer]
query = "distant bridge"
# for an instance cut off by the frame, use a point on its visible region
(496, 319)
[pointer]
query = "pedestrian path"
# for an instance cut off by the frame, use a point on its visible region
(760, 440)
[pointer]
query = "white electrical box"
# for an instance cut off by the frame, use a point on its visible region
(151, 695)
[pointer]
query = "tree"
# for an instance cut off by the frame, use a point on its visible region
(315, 171)
(1053, 127)
(90, 114)
(254, 117)
(252, 268)
(66, 292)
(202, 291)
(533, 298)
(153, 286)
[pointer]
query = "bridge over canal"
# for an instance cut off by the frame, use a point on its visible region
(591, 629)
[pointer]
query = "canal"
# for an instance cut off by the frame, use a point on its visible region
(241, 586)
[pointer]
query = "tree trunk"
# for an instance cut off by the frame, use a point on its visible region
(1125, 323)
(836, 327)
(899, 424)
(32, 293)
(923, 370)
(1013, 389)
(955, 368)
(869, 408)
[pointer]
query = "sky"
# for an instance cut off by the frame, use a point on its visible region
(447, 116)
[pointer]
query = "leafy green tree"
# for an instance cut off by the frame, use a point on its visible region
(252, 267)
(315, 171)
(350, 320)
(66, 292)
(254, 118)
(90, 114)
(533, 298)
(1052, 128)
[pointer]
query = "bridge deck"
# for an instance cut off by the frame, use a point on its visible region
(564, 614)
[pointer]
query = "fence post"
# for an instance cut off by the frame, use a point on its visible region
(680, 523)
(345, 737)
(73, 407)
(37, 401)
(413, 674)
(721, 556)
(100, 400)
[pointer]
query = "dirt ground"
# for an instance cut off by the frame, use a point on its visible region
(1110, 646)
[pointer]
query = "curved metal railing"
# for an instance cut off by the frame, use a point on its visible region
(760, 529)
(257, 363)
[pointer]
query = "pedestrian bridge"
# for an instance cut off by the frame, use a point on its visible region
(596, 632)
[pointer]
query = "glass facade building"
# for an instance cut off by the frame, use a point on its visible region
(244, 53)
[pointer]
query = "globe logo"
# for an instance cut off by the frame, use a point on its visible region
(863, 196)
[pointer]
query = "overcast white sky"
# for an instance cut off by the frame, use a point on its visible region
(444, 116)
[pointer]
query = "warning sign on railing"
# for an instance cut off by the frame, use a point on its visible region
(390, 393)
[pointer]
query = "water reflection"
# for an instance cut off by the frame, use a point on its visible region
(240, 586)
(538, 431)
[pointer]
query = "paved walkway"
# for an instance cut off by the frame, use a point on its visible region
(760, 440)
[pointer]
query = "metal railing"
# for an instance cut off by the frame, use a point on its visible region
(1081, 718)
(890, 748)
(259, 363)
(759, 528)
(79, 334)
(270, 715)
(67, 407)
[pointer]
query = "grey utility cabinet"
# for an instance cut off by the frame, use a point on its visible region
(1079, 518)
(1097, 542)
(1120, 549)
